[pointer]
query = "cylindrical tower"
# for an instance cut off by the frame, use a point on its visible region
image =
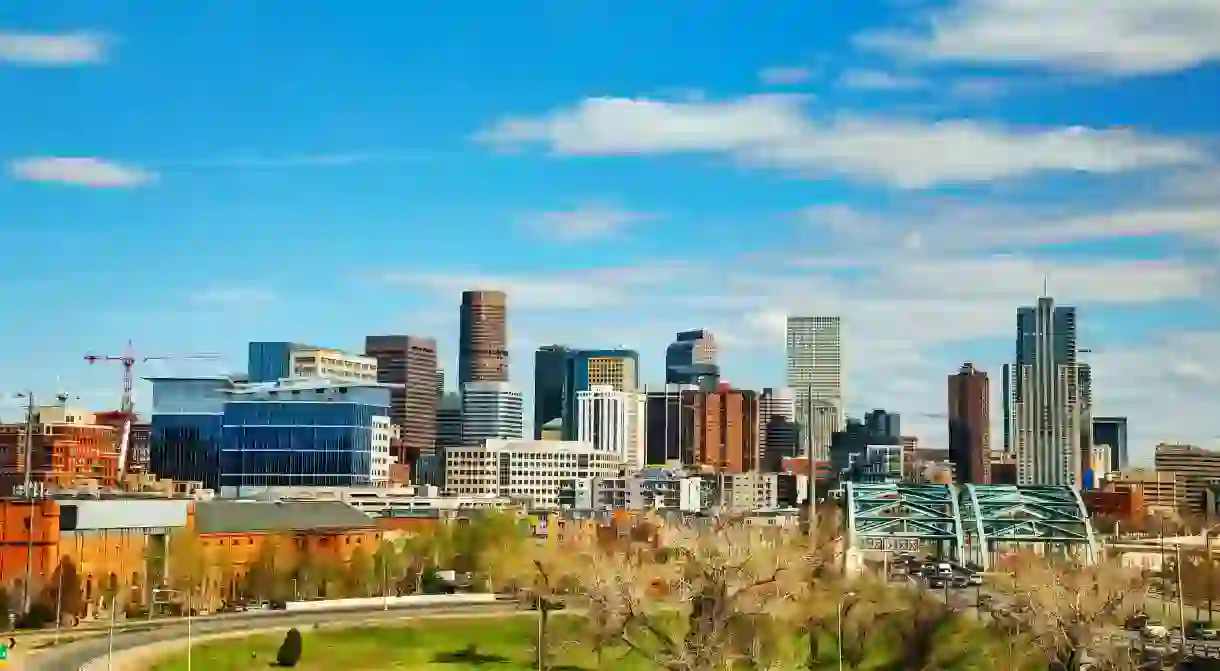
(483, 337)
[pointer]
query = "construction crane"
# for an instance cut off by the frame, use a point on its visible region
(126, 405)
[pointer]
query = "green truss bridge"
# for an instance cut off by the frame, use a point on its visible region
(969, 524)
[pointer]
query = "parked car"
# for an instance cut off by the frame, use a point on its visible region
(1136, 622)
(1154, 629)
(1201, 630)
(974, 579)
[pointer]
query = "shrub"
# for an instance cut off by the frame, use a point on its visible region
(38, 616)
(290, 650)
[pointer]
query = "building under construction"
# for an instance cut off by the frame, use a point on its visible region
(68, 447)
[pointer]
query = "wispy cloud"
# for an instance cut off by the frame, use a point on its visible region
(52, 50)
(1109, 37)
(589, 221)
(880, 80)
(253, 161)
(85, 171)
(778, 131)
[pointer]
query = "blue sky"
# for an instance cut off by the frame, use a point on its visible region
(192, 179)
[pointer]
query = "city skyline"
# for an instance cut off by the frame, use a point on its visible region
(894, 172)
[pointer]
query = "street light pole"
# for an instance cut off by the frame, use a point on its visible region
(28, 494)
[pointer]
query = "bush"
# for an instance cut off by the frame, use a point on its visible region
(290, 649)
(40, 615)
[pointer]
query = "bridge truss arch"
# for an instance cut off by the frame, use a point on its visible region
(995, 515)
(966, 523)
(892, 516)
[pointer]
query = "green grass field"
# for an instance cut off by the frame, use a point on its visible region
(505, 644)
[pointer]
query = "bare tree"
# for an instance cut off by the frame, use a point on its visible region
(1068, 611)
(686, 598)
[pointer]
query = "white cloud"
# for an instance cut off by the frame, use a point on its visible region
(234, 297)
(786, 75)
(880, 80)
(1112, 37)
(51, 50)
(587, 222)
(979, 88)
(775, 131)
(79, 171)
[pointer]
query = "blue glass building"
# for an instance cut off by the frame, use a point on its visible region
(269, 361)
(187, 417)
(290, 432)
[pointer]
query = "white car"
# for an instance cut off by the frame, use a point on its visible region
(1154, 630)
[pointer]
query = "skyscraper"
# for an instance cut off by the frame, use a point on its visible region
(726, 430)
(490, 410)
(483, 337)
(409, 362)
(774, 402)
(884, 427)
(1047, 397)
(691, 359)
(550, 370)
(610, 421)
(970, 426)
(1112, 431)
(815, 373)
(618, 369)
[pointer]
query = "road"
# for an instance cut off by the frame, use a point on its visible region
(73, 656)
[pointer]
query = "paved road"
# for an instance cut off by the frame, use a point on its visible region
(72, 656)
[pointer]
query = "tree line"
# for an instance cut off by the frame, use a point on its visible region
(726, 594)
(189, 574)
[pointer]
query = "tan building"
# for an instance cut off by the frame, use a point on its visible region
(331, 363)
(1197, 467)
(726, 430)
(1161, 491)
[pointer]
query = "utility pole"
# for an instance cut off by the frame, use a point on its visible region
(28, 492)
(811, 468)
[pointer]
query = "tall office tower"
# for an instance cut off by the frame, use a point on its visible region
(1112, 431)
(409, 363)
(449, 422)
(774, 402)
(483, 337)
(726, 430)
(1006, 387)
(1047, 399)
(618, 369)
(691, 359)
(491, 410)
(815, 370)
(781, 437)
(669, 423)
(884, 427)
(970, 426)
(550, 370)
(607, 420)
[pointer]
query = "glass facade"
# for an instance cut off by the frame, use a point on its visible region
(271, 443)
(269, 361)
(186, 447)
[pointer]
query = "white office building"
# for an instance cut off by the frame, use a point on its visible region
(491, 410)
(611, 421)
(532, 470)
(815, 365)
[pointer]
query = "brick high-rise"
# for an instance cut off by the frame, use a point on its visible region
(409, 361)
(970, 425)
(483, 337)
(726, 430)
